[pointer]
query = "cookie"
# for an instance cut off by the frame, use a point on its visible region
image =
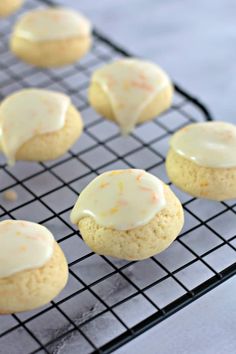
(38, 125)
(128, 214)
(33, 268)
(51, 37)
(7, 7)
(202, 161)
(130, 91)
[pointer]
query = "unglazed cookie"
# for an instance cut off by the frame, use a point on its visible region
(130, 91)
(51, 37)
(128, 214)
(7, 7)
(33, 268)
(202, 160)
(37, 125)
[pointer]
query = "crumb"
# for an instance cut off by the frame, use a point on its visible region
(10, 195)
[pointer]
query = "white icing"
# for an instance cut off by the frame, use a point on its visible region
(23, 245)
(28, 113)
(130, 84)
(209, 144)
(122, 199)
(52, 24)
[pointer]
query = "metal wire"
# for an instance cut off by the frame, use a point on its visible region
(108, 302)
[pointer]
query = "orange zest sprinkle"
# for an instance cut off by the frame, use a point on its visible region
(56, 17)
(142, 85)
(116, 172)
(122, 202)
(142, 76)
(121, 186)
(23, 248)
(113, 173)
(227, 135)
(22, 223)
(154, 197)
(111, 81)
(184, 129)
(114, 210)
(126, 85)
(138, 178)
(104, 185)
(145, 189)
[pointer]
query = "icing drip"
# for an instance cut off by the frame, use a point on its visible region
(209, 144)
(52, 24)
(23, 245)
(28, 113)
(130, 85)
(122, 199)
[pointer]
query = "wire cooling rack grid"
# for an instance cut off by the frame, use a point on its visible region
(107, 302)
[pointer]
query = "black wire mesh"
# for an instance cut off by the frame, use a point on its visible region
(107, 302)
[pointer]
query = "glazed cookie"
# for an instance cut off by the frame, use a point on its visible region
(7, 7)
(51, 37)
(128, 214)
(38, 125)
(33, 268)
(202, 160)
(130, 91)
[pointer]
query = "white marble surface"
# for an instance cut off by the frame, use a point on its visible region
(195, 42)
(206, 326)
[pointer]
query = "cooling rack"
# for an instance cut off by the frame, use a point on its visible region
(107, 302)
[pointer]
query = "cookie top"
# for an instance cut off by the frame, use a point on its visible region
(121, 199)
(23, 245)
(209, 144)
(130, 84)
(28, 113)
(51, 24)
